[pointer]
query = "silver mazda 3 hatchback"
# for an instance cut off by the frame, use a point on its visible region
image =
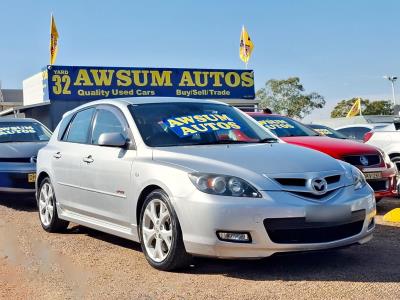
(191, 177)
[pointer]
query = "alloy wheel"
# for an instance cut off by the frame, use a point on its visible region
(157, 230)
(46, 204)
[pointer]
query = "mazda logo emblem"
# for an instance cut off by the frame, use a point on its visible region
(364, 160)
(318, 186)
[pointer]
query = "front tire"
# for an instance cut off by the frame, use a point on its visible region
(161, 235)
(47, 207)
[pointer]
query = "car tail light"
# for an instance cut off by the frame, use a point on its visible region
(368, 136)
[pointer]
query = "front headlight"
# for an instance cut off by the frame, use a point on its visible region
(358, 178)
(223, 185)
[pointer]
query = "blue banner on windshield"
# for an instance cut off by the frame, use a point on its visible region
(189, 125)
(90, 83)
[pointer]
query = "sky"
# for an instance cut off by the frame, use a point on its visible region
(339, 48)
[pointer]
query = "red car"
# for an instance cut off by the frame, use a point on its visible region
(379, 171)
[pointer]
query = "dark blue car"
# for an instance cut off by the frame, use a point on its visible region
(20, 141)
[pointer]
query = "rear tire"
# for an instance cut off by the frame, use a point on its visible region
(46, 201)
(396, 160)
(161, 235)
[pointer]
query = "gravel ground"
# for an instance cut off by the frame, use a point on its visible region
(85, 263)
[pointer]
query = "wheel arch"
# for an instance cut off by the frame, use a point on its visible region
(142, 197)
(42, 175)
(393, 154)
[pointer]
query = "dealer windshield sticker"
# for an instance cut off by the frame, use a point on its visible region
(275, 124)
(323, 131)
(189, 125)
(16, 130)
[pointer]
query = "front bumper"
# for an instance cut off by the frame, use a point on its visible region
(17, 177)
(385, 186)
(202, 215)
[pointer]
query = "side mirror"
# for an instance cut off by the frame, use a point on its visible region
(113, 139)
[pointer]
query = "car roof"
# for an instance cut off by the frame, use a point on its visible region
(16, 120)
(258, 113)
(370, 126)
(148, 100)
(119, 102)
(318, 125)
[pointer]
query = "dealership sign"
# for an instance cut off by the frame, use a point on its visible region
(90, 83)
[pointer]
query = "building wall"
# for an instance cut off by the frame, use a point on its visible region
(34, 89)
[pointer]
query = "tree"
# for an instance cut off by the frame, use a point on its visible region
(368, 107)
(380, 107)
(287, 97)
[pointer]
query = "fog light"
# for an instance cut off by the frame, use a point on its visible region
(235, 237)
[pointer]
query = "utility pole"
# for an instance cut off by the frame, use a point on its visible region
(392, 79)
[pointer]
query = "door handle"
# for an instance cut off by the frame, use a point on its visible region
(57, 155)
(88, 159)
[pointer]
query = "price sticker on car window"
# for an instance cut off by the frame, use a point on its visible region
(275, 124)
(189, 125)
(12, 130)
(323, 131)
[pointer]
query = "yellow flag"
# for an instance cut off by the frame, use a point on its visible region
(355, 109)
(53, 41)
(246, 46)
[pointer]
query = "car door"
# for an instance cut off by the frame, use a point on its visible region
(67, 156)
(106, 171)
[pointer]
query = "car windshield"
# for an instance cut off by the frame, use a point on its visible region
(284, 126)
(327, 131)
(11, 132)
(193, 123)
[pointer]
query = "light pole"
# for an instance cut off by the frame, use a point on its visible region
(392, 79)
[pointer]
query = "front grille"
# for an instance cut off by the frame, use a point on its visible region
(332, 179)
(378, 185)
(292, 181)
(313, 196)
(15, 159)
(356, 160)
(299, 231)
(303, 181)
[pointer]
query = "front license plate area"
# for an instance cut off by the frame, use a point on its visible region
(328, 213)
(373, 175)
(31, 177)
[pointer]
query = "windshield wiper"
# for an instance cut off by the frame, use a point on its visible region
(268, 140)
(224, 142)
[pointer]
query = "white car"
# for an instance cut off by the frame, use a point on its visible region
(196, 177)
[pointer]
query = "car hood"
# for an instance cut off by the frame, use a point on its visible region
(249, 162)
(336, 148)
(20, 150)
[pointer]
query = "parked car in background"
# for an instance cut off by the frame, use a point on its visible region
(358, 131)
(20, 141)
(195, 177)
(327, 131)
(379, 171)
(382, 135)
(388, 141)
